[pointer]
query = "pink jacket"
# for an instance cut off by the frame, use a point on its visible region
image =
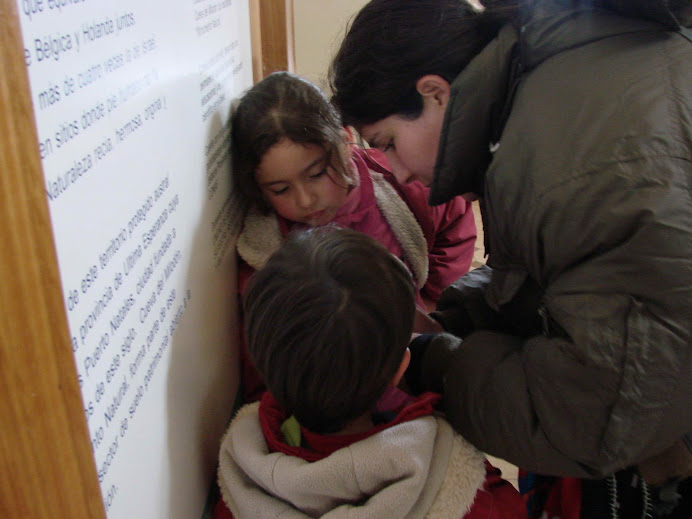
(449, 228)
(437, 242)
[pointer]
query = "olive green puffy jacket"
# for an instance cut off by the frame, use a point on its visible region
(577, 352)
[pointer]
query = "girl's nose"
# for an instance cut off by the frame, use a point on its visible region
(304, 197)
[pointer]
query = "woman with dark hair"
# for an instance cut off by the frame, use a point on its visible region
(572, 121)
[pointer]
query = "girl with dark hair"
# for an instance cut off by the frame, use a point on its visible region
(572, 120)
(294, 166)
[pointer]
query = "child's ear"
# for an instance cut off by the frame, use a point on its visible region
(405, 360)
(347, 132)
(435, 88)
(346, 147)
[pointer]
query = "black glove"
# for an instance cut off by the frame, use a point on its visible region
(430, 358)
(413, 373)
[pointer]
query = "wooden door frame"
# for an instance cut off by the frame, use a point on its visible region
(47, 467)
(273, 43)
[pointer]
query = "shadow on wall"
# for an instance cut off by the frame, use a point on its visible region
(199, 408)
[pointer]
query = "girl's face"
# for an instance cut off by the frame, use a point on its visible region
(298, 183)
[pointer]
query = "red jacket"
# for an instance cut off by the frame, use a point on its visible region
(497, 499)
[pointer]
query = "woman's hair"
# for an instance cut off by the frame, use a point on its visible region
(390, 44)
(327, 322)
(282, 106)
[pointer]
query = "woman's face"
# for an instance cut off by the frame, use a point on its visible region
(409, 144)
(299, 184)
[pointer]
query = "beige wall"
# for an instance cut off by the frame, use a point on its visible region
(319, 27)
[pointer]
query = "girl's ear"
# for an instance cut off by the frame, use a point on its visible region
(406, 359)
(347, 146)
(347, 132)
(434, 88)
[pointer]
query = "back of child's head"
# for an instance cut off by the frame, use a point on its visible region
(281, 106)
(328, 320)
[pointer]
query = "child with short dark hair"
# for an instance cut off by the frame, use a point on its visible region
(295, 167)
(328, 322)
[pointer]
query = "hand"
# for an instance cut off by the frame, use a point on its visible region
(423, 323)
(430, 358)
(412, 376)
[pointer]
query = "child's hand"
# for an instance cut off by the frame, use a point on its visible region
(423, 323)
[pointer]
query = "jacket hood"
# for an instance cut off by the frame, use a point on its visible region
(670, 13)
(549, 27)
(416, 469)
(481, 95)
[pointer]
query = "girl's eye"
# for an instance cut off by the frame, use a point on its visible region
(319, 173)
(389, 146)
(279, 191)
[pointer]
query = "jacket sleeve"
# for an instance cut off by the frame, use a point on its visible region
(221, 510)
(462, 307)
(498, 500)
(245, 272)
(252, 384)
(450, 232)
(614, 387)
(452, 247)
(484, 381)
(449, 229)
(487, 400)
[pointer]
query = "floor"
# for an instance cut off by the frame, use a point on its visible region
(509, 471)
(479, 252)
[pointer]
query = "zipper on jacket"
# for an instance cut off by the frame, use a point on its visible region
(550, 327)
(545, 320)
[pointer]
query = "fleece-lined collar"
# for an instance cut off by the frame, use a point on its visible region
(272, 416)
(262, 236)
(416, 469)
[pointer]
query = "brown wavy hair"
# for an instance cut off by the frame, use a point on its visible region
(282, 106)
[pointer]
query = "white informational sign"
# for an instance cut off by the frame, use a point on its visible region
(132, 102)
